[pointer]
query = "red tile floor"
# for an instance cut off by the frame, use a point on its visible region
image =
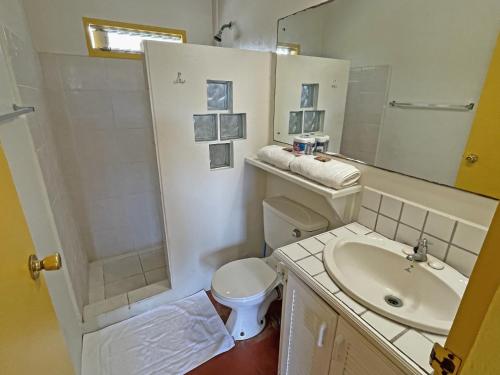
(255, 356)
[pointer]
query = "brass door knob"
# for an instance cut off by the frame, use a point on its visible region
(51, 262)
(471, 158)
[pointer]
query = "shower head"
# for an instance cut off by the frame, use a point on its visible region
(218, 36)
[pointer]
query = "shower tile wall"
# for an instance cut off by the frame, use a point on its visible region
(365, 105)
(105, 134)
(29, 84)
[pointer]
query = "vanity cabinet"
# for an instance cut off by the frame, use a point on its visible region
(316, 341)
(354, 355)
(307, 333)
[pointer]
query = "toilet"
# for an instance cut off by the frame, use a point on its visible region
(248, 286)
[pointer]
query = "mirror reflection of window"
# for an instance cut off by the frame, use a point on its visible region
(288, 49)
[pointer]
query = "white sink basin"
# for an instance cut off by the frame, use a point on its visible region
(376, 273)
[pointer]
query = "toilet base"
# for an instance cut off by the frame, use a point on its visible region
(245, 322)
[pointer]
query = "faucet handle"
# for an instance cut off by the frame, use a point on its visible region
(423, 242)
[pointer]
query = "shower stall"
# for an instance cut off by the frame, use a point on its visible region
(100, 120)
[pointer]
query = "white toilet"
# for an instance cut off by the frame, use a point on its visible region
(248, 286)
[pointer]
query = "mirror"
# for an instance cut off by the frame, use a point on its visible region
(394, 84)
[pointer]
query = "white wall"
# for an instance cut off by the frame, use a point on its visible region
(211, 216)
(257, 22)
(305, 29)
(104, 135)
(438, 53)
(57, 27)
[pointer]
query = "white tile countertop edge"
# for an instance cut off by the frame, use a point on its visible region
(413, 360)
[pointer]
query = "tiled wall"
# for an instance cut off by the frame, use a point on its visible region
(104, 133)
(28, 80)
(451, 239)
(365, 105)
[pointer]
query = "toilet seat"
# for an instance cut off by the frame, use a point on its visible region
(244, 280)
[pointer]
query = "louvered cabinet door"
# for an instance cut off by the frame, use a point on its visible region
(309, 329)
(354, 355)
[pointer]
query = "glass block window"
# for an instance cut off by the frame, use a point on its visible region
(219, 95)
(295, 123)
(220, 155)
(313, 121)
(232, 126)
(205, 128)
(309, 95)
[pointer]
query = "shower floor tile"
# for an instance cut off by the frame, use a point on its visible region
(124, 285)
(114, 282)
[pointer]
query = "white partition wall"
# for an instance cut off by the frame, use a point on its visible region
(330, 78)
(212, 204)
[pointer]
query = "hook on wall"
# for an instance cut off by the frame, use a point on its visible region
(179, 79)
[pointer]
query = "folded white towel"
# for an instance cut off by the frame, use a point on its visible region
(332, 173)
(276, 156)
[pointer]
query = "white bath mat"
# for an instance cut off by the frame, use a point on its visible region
(171, 339)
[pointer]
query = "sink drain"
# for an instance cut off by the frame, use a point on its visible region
(393, 301)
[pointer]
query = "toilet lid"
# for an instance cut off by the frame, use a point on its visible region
(243, 278)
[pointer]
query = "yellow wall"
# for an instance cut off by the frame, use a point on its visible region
(31, 341)
(483, 285)
(484, 176)
(483, 358)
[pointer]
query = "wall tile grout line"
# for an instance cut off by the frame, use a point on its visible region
(449, 242)
(398, 220)
(423, 225)
(378, 212)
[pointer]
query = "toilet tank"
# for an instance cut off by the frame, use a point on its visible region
(286, 221)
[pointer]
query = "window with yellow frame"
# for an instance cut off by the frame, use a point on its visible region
(124, 40)
(288, 49)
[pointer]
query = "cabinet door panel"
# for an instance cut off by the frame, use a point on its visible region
(354, 355)
(309, 325)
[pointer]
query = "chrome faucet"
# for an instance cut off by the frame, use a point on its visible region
(420, 252)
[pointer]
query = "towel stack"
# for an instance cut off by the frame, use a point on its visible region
(276, 156)
(332, 173)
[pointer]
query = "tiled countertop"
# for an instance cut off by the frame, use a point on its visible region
(410, 346)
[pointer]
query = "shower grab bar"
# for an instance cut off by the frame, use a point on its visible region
(18, 111)
(445, 107)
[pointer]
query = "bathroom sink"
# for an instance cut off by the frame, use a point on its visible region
(376, 273)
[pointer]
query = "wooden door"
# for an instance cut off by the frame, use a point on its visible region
(31, 340)
(475, 334)
(483, 175)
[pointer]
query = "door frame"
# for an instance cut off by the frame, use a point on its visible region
(19, 150)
